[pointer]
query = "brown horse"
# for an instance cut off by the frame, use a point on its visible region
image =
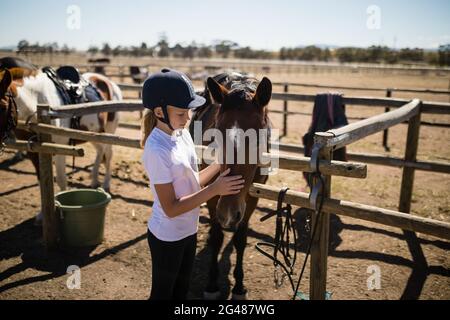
(234, 102)
(8, 110)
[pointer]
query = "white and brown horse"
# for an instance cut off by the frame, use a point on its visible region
(28, 89)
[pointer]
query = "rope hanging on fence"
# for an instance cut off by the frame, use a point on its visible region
(282, 231)
(318, 211)
(282, 241)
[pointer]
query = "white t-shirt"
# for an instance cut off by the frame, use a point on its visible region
(172, 159)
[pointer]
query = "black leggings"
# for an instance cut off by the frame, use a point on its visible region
(172, 264)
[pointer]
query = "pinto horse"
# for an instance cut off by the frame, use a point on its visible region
(22, 88)
(233, 102)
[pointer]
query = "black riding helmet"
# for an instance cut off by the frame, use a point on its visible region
(170, 87)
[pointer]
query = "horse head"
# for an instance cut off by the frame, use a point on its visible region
(241, 118)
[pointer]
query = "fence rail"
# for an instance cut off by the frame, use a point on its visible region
(428, 106)
(324, 142)
(358, 130)
(296, 163)
(359, 211)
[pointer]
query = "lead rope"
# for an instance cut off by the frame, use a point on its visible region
(282, 232)
(317, 192)
(282, 241)
(318, 212)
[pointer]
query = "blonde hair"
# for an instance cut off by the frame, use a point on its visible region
(149, 122)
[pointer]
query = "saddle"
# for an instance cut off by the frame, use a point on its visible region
(72, 88)
(69, 73)
(68, 82)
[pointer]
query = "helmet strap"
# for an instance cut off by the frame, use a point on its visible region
(166, 119)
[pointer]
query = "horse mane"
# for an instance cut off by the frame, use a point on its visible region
(240, 86)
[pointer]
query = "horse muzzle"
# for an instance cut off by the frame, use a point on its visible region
(230, 213)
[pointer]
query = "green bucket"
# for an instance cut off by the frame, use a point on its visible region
(82, 216)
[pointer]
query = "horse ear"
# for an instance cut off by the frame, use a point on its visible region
(218, 91)
(5, 82)
(263, 92)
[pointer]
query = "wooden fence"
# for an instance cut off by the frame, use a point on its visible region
(326, 143)
(387, 104)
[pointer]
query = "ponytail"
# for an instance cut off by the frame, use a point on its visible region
(148, 123)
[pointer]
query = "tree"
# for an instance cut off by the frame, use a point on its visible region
(65, 49)
(189, 51)
(345, 54)
(93, 50)
(326, 55)
(163, 48)
(22, 46)
(408, 54)
(390, 57)
(204, 52)
(310, 53)
(106, 50)
(283, 53)
(444, 55)
(117, 51)
(177, 51)
(143, 50)
(376, 53)
(224, 47)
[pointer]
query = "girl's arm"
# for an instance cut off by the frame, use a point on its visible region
(208, 173)
(174, 207)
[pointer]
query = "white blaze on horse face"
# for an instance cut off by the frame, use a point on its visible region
(233, 133)
(233, 143)
(237, 138)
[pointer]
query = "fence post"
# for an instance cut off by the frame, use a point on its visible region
(285, 111)
(319, 248)
(412, 143)
(50, 219)
(385, 132)
(121, 75)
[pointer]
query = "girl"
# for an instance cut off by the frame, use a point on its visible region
(179, 189)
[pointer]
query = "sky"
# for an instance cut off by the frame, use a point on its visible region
(260, 24)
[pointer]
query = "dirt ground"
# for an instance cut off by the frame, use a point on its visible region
(120, 267)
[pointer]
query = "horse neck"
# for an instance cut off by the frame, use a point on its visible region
(36, 90)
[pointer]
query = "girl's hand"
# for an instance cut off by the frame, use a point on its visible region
(224, 185)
